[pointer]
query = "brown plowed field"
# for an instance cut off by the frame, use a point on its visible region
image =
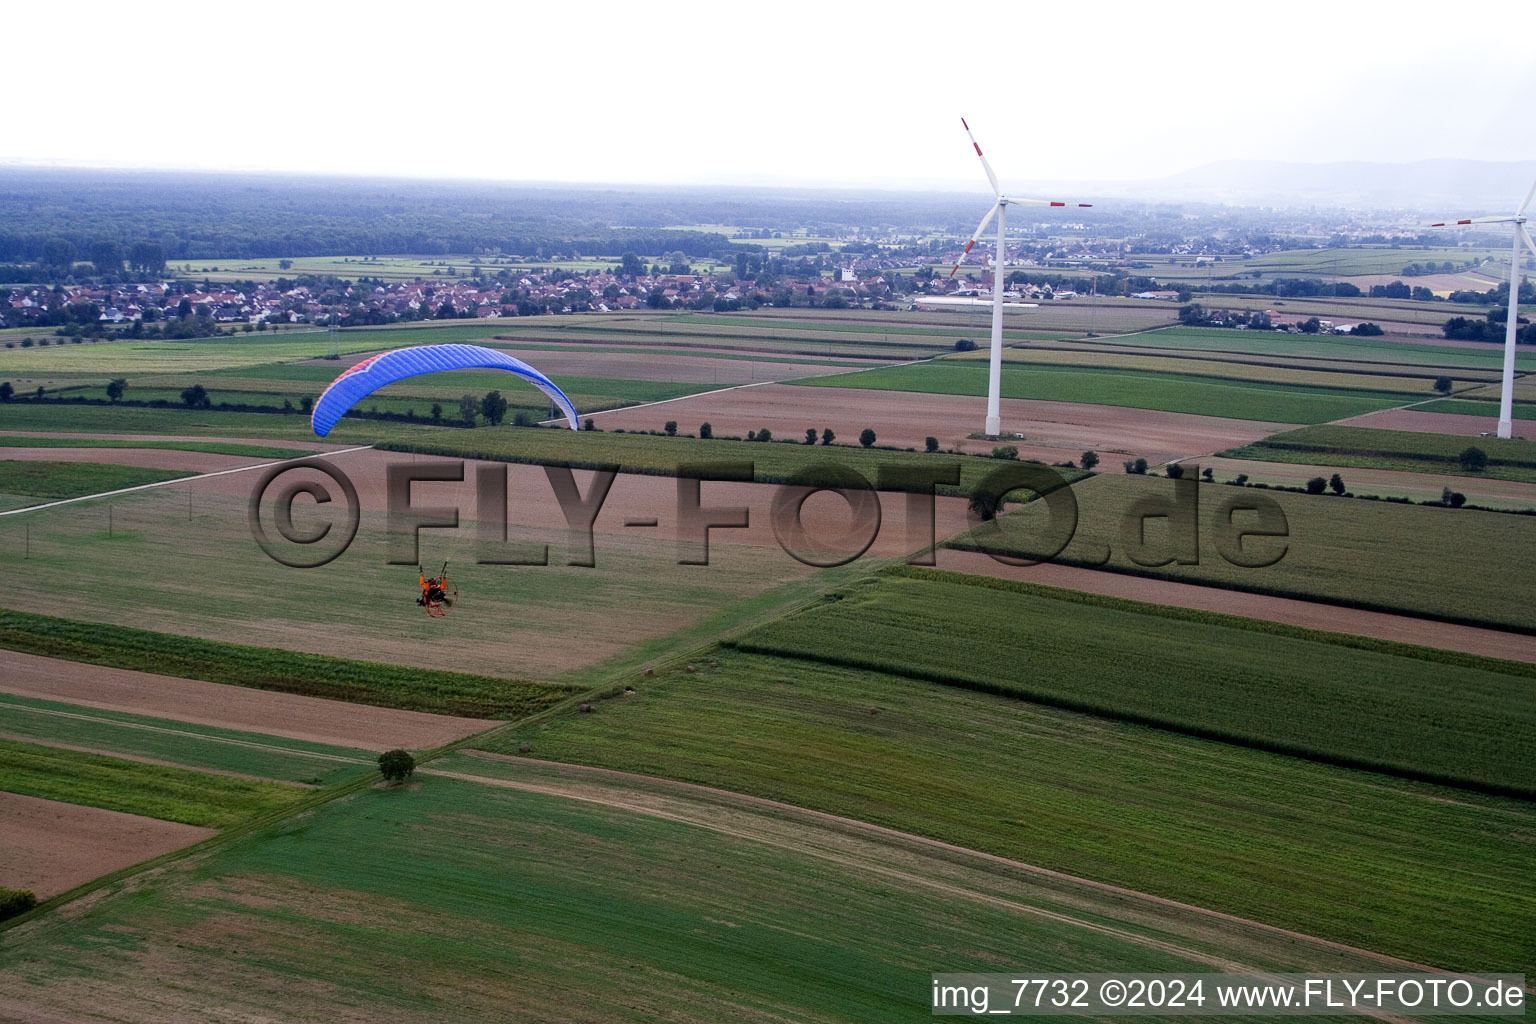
(905, 419)
(229, 707)
(1438, 423)
(50, 847)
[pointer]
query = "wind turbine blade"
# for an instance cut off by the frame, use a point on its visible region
(1470, 220)
(1043, 202)
(1526, 237)
(997, 189)
(1527, 202)
(979, 229)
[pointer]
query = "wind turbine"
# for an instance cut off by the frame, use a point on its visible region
(1511, 327)
(1000, 211)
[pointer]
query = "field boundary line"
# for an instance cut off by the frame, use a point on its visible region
(180, 480)
(883, 831)
(230, 740)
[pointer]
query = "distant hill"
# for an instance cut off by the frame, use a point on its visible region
(1442, 186)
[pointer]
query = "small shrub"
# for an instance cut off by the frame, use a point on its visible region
(1241, 480)
(1089, 459)
(706, 431)
(931, 444)
(1316, 485)
(1174, 471)
(1443, 385)
(1006, 451)
(867, 437)
(1136, 467)
(670, 427)
(397, 765)
(15, 901)
(1473, 460)
(965, 345)
(1208, 475)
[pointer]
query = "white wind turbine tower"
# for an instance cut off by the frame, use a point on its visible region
(1000, 211)
(1511, 328)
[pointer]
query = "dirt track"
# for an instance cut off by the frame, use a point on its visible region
(905, 419)
(1309, 614)
(49, 847)
(229, 707)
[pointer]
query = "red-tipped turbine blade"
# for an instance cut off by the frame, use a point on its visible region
(1471, 220)
(977, 234)
(997, 189)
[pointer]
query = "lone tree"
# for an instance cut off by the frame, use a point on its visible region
(867, 437)
(1136, 467)
(115, 388)
(1316, 485)
(1336, 484)
(931, 443)
(827, 436)
(493, 407)
(1455, 499)
(1174, 471)
(1443, 385)
(1089, 459)
(810, 435)
(196, 397)
(706, 431)
(6, 391)
(1473, 460)
(670, 427)
(396, 765)
(965, 345)
(468, 407)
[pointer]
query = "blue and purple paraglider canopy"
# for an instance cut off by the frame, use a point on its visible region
(368, 376)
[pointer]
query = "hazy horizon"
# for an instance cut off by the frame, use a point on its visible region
(802, 96)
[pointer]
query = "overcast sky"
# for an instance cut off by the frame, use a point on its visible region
(763, 93)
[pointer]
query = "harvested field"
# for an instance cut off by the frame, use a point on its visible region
(1307, 614)
(50, 847)
(513, 621)
(906, 418)
(312, 719)
(1438, 423)
(687, 367)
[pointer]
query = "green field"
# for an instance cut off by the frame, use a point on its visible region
(53, 723)
(107, 420)
(409, 687)
(1367, 350)
(1450, 564)
(1398, 867)
(460, 900)
(22, 480)
(250, 451)
(1490, 410)
(1169, 392)
(156, 791)
(1404, 450)
(1408, 711)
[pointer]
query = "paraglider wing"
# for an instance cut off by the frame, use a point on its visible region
(368, 376)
